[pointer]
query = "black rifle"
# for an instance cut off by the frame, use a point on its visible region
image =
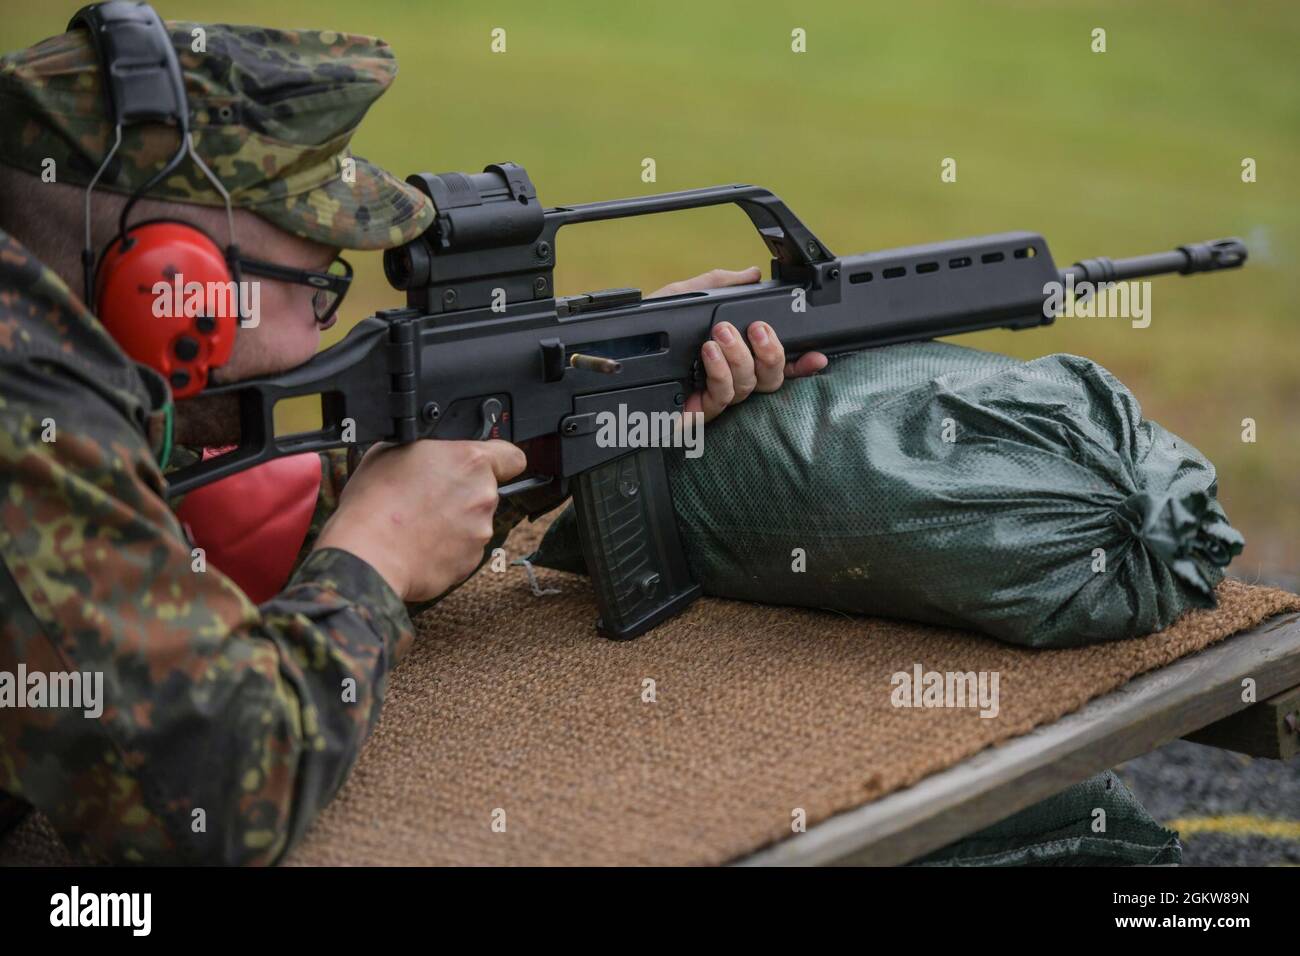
(485, 349)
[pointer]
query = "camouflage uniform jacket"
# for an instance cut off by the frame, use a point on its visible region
(225, 727)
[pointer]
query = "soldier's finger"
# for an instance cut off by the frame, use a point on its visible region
(507, 460)
(718, 279)
(769, 357)
(810, 363)
(718, 391)
(713, 279)
(740, 359)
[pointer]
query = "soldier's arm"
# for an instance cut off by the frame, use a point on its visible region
(225, 727)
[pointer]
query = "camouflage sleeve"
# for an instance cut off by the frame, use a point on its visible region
(221, 728)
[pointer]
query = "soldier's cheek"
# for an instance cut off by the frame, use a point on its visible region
(285, 333)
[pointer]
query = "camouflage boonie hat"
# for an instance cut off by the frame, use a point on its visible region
(271, 111)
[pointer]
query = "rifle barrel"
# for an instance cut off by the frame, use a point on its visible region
(1185, 260)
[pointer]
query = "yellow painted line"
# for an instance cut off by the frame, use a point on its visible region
(1241, 824)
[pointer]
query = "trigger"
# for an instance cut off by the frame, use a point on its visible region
(489, 418)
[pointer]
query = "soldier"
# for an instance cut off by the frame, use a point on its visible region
(226, 724)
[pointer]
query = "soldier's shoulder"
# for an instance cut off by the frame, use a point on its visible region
(36, 305)
(43, 323)
(21, 271)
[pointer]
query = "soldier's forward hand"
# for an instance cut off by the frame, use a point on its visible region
(736, 369)
(420, 514)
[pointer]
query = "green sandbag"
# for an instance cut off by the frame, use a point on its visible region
(930, 482)
(1068, 830)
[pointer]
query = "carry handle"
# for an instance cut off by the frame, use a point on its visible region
(791, 243)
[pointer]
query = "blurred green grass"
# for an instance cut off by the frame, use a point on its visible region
(1134, 150)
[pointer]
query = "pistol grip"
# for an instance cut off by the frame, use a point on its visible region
(629, 539)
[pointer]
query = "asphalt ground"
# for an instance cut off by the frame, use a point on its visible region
(1228, 809)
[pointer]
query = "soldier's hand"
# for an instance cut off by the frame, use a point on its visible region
(736, 370)
(420, 514)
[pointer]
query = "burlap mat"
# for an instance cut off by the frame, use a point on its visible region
(510, 709)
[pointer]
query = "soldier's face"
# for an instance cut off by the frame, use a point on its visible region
(286, 334)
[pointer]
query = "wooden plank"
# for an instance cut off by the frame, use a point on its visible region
(1268, 729)
(1143, 714)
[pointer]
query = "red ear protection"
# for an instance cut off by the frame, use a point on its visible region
(167, 295)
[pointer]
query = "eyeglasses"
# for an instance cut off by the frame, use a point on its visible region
(330, 285)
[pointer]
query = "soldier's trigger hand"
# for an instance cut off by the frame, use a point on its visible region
(420, 514)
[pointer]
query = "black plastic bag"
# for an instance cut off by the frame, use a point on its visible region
(1095, 823)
